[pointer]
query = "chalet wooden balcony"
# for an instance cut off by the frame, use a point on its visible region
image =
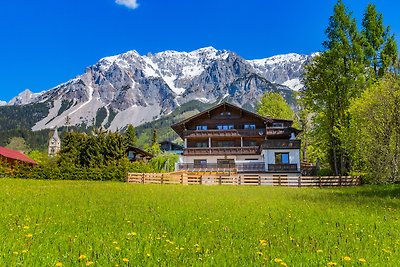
(283, 168)
(285, 144)
(247, 150)
(236, 133)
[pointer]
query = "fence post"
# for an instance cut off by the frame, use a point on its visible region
(220, 179)
(200, 179)
(299, 181)
(162, 178)
(340, 180)
(279, 180)
(142, 178)
(259, 179)
(320, 181)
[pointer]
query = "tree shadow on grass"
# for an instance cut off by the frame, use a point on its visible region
(364, 196)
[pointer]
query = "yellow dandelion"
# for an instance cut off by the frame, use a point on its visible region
(263, 242)
(15, 252)
(362, 260)
(346, 258)
(259, 253)
(24, 251)
(125, 260)
(115, 242)
(117, 248)
(331, 263)
(29, 235)
(26, 227)
(82, 257)
(319, 251)
(278, 260)
(59, 264)
(148, 255)
(89, 263)
(132, 234)
(283, 264)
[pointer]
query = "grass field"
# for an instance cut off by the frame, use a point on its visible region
(80, 223)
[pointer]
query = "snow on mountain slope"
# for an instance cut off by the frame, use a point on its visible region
(282, 69)
(131, 88)
(3, 103)
(25, 97)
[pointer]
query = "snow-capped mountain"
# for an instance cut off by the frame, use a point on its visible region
(286, 69)
(131, 88)
(3, 103)
(23, 98)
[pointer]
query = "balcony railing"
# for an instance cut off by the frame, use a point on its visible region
(238, 167)
(237, 132)
(247, 150)
(281, 144)
(283, 168)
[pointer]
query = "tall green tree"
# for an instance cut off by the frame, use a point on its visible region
(130, 136)
(274, 105)
(380, 48)
(375, 131)
(332, 80)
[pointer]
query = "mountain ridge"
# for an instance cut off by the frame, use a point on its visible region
(131, 88)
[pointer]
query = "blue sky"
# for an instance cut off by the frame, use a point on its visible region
(46, 42)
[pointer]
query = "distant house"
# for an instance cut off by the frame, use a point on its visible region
(227, 137)
(168, 146)
(137, 154)
(13, 157)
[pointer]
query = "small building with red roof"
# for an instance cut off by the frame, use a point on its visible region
(14, 157)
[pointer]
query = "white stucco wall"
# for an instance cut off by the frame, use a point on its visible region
(269, 156)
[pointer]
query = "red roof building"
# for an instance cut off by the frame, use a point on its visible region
(12, 156)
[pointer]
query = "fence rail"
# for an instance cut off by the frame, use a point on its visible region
(242, 179)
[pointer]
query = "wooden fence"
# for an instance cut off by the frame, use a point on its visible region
(242, 179)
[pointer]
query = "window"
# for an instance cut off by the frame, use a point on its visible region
(249, 126)
(201, 127)
(200, 163)
(225, 144)
(277, 124)
(131, 155)
(202, 144)
(281, 158)
(225, 127)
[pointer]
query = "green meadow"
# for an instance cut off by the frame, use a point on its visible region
(82, 223)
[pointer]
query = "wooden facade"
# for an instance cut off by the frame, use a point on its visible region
(229, 133)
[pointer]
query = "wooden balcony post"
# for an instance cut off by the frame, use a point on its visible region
(209, 142)
(185, 146)
(241, 141)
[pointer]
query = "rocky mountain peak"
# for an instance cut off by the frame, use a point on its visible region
(131, 88)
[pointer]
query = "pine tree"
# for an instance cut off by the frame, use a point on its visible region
(130, 136)
(332, 80)
(380, 48)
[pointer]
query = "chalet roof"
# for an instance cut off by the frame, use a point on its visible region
(15, 155)
(179, 127)
(139, 151)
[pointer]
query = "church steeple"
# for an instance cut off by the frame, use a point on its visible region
(54, 143)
